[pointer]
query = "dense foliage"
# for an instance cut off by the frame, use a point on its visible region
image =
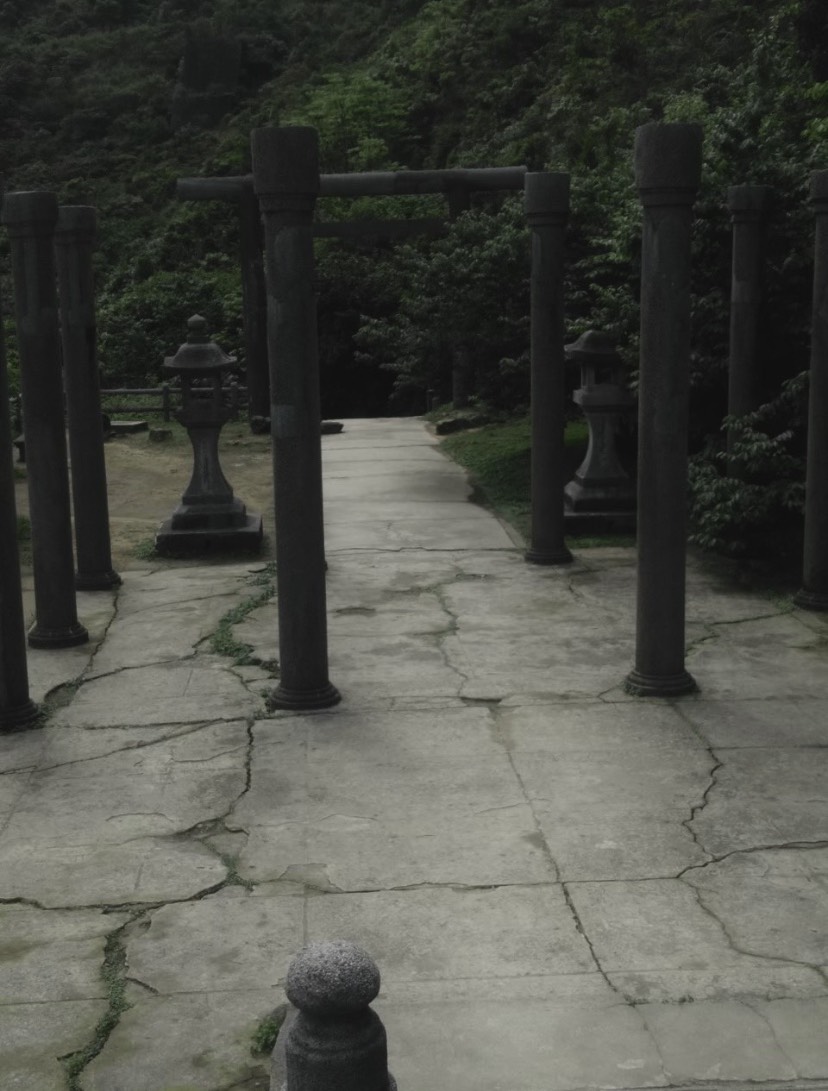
(88, 94)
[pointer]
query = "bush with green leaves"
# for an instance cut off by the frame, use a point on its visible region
(749, 500)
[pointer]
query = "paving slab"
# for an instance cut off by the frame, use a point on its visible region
(35, 1037)
(565, 887)
(47, 957)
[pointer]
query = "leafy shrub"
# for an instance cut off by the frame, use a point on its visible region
(750, 499)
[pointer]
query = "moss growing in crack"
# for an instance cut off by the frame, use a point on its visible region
(112, 972)
(233, 878)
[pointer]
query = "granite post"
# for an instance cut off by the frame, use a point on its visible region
(813, 594)
(547, 204)
(254, 306)
(74, 240)
(336, 1042)
(748, 207)
(30, 219)
(668, 173)
(462, 370)
(17, 710)
(286, 180)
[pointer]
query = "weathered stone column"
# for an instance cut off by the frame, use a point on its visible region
(254, 304)
(335, 1042)
(30, 219)
(668, 172)
(547, 205)
(16, 708)
(74, 239)
(286, 180)
(462, 370)
(748, 207)
(814, 592)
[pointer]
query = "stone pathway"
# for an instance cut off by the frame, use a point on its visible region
(564, 887)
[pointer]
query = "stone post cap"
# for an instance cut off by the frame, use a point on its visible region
(36, 210)
(76, 220)
(819, 186)
(749, 198)
(546, 192)
(285, 161)
(668, 159)
(336, 978)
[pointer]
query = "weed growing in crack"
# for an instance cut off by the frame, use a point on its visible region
(266, 1033)
(223, 642)
(112, 972)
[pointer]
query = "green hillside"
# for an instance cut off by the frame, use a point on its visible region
(109, 101)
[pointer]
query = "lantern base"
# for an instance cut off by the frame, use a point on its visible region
(244, 536)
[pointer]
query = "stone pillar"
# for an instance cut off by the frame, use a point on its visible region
(254, 303)
(814, 592)
(74, 239)
(547, 205)
(462, 370)
(668, 172)
(286, 180)
(16, 708)
(748, 207)
(30, 219)
(335, 1042)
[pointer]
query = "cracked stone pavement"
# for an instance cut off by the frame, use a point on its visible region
(564, 887)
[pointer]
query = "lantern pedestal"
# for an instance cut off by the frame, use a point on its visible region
(601, 495)
(209, 516)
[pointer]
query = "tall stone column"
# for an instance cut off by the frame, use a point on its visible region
(286, 180)
(254, 303)
(16, 708)
(748, 207)
(74, 239)
(547, 205)
(462, 370)
(30, 219)
(668, 172)
(814, 592)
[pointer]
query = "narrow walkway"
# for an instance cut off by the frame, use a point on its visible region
(563, 887)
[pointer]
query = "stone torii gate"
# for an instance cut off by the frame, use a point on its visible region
(456, 185)
(287, 182)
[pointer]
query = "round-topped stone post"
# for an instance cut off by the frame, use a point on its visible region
(74, 239)
(668, 173)
(546, 202)
(748, 207)
(286, 180)
(17, 710)
(813, 594)
(30, 219)
(336, 1041)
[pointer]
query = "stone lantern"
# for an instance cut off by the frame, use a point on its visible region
(600, 483)
(209, 516)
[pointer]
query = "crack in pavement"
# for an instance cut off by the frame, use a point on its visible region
(799, 845)
(731, 943)
(583, 932)
(771, 1030)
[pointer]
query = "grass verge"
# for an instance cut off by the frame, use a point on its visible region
(498, 458)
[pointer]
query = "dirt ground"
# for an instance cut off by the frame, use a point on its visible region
(145, 481)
